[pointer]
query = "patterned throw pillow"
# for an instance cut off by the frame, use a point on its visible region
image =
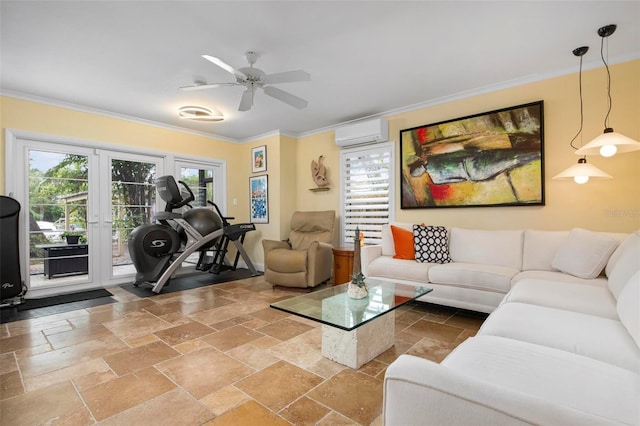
(431, 244)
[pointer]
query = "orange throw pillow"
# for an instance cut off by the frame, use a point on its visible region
(403, 243)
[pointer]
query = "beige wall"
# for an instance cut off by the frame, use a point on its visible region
(311, 148)
(271, 230)
(612, 205)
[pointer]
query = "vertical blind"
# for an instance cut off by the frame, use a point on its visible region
(367, 191)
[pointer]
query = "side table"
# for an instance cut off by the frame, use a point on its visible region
(342, 265)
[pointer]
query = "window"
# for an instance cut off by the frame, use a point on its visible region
(367, 191)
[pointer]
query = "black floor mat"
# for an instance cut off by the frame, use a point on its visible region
(191, 281)
(34, 308)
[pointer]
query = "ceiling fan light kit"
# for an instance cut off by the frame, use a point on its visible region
(198, 113)
(254, 78)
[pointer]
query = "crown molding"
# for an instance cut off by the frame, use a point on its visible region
(104, 113)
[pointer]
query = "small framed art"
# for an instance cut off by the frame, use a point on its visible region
(259, 190)
(259, 159)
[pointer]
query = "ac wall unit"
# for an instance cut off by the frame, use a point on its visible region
(362, 132)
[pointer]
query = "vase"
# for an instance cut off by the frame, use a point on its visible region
(357, 292)
(72, 239)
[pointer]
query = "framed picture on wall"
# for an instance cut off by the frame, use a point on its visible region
(259, 159)
(259, 201)
(495, 158)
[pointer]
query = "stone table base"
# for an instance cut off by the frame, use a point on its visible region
(357, 347)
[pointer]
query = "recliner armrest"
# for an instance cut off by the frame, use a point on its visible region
(269, 245)
(320, 259)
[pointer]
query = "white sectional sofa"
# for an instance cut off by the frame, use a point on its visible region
(558, 349)
(485, 264)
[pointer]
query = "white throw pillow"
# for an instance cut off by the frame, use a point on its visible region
(584, 253)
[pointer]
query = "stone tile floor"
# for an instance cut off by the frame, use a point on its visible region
(215, 355)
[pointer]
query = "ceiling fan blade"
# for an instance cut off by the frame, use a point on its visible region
(228, 68)
(287, 77)
(285, 97)
(206, 86)
(247, 100)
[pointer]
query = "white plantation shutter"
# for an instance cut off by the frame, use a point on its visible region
(367, 191)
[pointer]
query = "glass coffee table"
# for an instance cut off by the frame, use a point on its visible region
(354, 331)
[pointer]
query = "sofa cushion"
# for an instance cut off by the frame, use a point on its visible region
(540, 248)
(486, 277)
(559, 376)
(398, 269)
(557, 276)
(587, 299)
(624, 262)
(627, 307)
(503, 248)
(599, 338)
(555, 375)
(431, 244)
(402, 243)
(584, 253)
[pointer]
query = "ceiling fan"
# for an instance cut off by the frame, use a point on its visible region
(253, 79)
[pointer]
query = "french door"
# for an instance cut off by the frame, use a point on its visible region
(128, 199)
(96, 195)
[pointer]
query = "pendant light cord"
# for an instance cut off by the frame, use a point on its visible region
(581, 108)
(606, 118)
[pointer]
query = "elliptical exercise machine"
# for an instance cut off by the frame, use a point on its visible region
(153, 246)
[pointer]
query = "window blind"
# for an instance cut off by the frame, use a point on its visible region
(367, 191)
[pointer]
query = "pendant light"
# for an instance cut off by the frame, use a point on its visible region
(581, 172)
(610, 142)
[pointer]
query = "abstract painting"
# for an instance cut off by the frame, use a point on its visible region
(490, 159)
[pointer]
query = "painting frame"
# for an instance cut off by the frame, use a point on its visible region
(259, 199)
(490, 159)
(259, 159)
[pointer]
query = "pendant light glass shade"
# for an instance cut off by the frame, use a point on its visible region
(582, 172)
(608, 144)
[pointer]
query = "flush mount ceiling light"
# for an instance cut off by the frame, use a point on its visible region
(198, 113)
(581, 172)
(610, 142)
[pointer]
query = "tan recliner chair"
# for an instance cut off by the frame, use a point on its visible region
(306, 258)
